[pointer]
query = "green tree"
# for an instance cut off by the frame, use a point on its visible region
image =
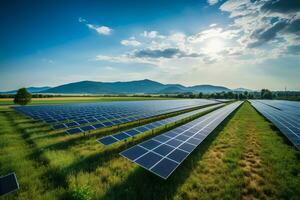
(266, 94)
(22, 97)
(200, 95)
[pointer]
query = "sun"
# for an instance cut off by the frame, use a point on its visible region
(214, 45)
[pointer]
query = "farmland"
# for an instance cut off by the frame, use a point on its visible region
(245, 157)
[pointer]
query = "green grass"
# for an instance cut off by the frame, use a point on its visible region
(245, 158)
(64, 100)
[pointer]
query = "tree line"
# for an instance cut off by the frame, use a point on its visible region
(23, 97)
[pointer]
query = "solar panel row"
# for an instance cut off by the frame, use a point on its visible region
(115, 122)
(89, 116)
(283, 117)
(162, 154)
(111, 139)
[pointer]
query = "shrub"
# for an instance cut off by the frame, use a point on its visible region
(82, 193)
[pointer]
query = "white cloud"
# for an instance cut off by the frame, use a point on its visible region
(81, 20)
(263, 23)
(212, 2)
(130, 42)
(152, 34)
(102, 30)
(125, 58)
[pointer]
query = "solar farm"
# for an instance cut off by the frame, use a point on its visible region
(151, 149)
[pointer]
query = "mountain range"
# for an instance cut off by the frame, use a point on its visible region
(29, 89)
(131, 87)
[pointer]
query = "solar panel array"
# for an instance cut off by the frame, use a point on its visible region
(114, 138)
(285, 115)
(77, 118)
(162, 154)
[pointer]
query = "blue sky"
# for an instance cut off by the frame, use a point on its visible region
(252, 44)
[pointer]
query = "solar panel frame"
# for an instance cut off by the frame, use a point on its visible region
(4, 191)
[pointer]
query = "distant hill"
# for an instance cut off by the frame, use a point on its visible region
(92, 87)
(30, 89)
(173, 89)
(132, 87)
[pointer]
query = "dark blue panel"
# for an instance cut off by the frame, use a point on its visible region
(142, 129)
(132, 132)
(171, 134)
(121, 136)
(188, 133)
(82, 121)
(98, 125)
(92, 120)
(122, 120)
(163, 149)
(87, 128)
(131, 118)
(133, 152)
(148, 160)
(164, 168)
(116, 121)
(74, 131)
(101, 118)
(194, 141)
(108, 123)
(181, 137)
(162, 138)
(174, 143)
(107, 140)
(178, 155)
(150, 144)
(150, 126)
(199, 136)
(59, 126)
(125, 120)
(70, 124)
(187, 147)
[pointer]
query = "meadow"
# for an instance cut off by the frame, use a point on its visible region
(246, 157)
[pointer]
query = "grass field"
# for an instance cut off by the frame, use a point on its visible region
(245, 158)
(63, 100)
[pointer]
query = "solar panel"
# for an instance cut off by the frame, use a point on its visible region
(162, 154)
(72, 116)
(153, 125)
(8, 184)
(74, 131)
(283, 116)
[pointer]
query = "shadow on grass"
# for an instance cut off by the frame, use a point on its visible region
(141, 184)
